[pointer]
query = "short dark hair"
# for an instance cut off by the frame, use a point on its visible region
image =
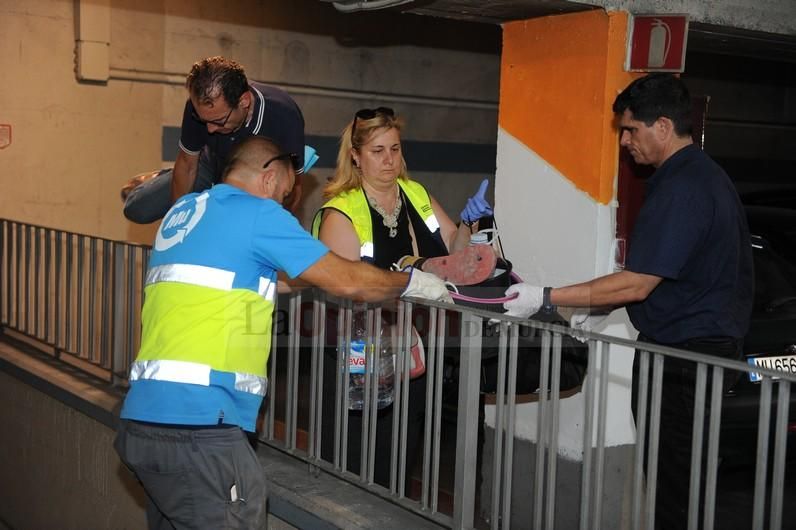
(214, 76)
(252, 152)
(657, 95)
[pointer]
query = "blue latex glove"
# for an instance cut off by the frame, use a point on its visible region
(309, 158)
(476, 206)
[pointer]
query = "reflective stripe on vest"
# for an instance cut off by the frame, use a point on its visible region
(354, 205)
(205, 277)
(421, 201)
(267, 289)
(192, 373)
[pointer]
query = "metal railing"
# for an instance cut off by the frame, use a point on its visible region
(81, 296)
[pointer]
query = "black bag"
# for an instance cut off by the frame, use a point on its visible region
(574, 358)
(489, 295)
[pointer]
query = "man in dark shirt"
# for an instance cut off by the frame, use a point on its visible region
(223, 109)
(688, 281)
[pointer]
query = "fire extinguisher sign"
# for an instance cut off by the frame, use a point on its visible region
(657, 43)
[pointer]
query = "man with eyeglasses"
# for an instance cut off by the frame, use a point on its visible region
(200, 377)
(223, 108)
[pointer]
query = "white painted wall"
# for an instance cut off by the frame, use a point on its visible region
(556, 235)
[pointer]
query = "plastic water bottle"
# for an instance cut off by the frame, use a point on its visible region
(357, 365)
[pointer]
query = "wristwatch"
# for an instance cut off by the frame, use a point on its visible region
(547, 305)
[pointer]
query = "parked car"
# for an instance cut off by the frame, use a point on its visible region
(771, 340)
(772, 197)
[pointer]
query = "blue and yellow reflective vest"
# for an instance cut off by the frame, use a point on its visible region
(210, 292)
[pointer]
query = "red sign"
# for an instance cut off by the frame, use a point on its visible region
(657, 43)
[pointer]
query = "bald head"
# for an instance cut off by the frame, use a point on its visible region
(258, 166)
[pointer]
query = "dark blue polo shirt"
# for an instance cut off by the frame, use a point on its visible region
(692, 232)
(275, 116)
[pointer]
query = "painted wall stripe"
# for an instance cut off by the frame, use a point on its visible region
(444, 157)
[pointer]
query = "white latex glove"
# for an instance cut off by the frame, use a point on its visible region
(426, 285)
(527, 303)
(585, 320)
(582, 319)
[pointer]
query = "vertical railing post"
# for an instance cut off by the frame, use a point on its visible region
(467, 421)
(552, 415)
(36, 281)
(118, 315)
(432, 393)
(132, 313)
(290, 373)
(48, 271)
(270, 422)
(641, 437)
(761, 462)
(403, 405)
(58, 265)
(3, 274)
(26, 312)
(18, 291)
(68, 295)
(344, 322)
(602, 424)
(368, 399)
(780, 450)
(654, 435)
(92, 296)
(81, 317)
(509, 411)
(588, 436)
(374, 369)
(542, 429)
(439, 363)
(316, 373)
(697, 443)
(711, 474)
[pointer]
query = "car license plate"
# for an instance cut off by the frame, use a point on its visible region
(783, 363)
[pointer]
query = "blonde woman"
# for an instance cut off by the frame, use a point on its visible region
(376, 213)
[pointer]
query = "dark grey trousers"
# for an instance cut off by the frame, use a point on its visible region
(195, 478)
(151, 200)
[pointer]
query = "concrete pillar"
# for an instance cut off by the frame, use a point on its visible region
(555, 194)
(557, 149)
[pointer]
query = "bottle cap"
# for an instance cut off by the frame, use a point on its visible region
(479, 238)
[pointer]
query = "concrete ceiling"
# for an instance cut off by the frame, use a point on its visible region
(703, 37)
(494, 12)
(706, 38)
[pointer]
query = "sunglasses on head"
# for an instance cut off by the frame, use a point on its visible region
(369, 114)
(293, 157)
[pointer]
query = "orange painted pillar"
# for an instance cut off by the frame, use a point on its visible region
(558, 148)
(559, 77)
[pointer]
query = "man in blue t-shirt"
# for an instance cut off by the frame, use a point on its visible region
(223, 108)
(199, 377)
(688, 281)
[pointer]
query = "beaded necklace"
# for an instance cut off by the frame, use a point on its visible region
(388, 220)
